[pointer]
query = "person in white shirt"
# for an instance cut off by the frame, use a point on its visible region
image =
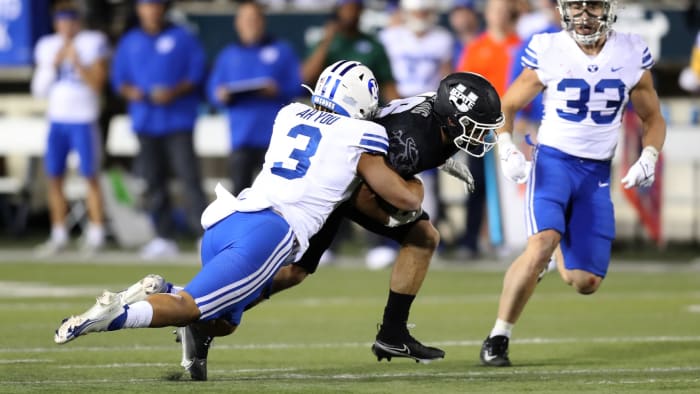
(316, 159)
(587, 73)
(71, 70)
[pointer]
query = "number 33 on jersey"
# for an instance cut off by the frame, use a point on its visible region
(585, 95)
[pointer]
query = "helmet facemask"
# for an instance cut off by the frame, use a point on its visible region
(597, 15)
(476, 138)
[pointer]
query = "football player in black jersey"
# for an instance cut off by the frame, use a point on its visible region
(424, 132)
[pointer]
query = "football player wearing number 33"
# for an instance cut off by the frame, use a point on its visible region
(587, 74)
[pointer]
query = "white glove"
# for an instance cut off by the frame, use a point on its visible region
(460, 171)
(513, 163)
(642, 171)
(403, 217)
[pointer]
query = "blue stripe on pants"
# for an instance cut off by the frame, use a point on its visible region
(240, 255)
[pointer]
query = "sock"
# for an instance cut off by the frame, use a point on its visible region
(396, 310)
(137, 315)
(59, 234)
(95, 234)
(501, 327)
(173, 289)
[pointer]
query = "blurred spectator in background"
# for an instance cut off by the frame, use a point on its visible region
(533, 17)
(421, 54)
(158, 68)
(71, 70)
(343, 40)
(689, 79)
(528, 119)
(491, 55)
(420, 51)
(294, 4)
(252, 79)
(465, 25)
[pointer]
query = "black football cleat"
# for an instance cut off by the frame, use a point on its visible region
(195, 348)
(404, 345)
(494, 351)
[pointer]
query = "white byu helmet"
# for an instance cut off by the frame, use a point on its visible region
(347, 88)
(575, 13)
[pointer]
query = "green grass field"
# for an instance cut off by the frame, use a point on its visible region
(640, 333)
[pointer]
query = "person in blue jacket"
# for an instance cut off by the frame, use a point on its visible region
(159, 69)
(252, 80)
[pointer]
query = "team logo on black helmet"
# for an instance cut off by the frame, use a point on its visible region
(469, 109)
(463, 102)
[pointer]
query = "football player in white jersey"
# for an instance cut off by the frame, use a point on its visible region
(587, 74)
(315, 160)
(71, 69)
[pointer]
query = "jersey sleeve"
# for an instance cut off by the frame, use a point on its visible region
(638, 55)
(97, 47)
(535, 55)
(646, 59)
(530, 55)
(373, 139)
(41, 55)
(44, 73)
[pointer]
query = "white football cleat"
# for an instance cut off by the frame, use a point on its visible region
(139, 291)
(109, 306)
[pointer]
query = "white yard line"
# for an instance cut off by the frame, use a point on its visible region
(26, 361)
(12, 290)
(294, 346)
(271, 375)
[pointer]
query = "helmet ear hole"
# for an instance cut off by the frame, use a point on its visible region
(348, 88)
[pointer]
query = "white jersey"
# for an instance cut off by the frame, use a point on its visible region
(416, 60)
(70, 99)
(585, 96)
(310, 167)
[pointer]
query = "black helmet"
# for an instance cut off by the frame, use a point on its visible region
(469, 109)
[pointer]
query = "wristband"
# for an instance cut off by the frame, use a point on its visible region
(505, 138)
(650, 153)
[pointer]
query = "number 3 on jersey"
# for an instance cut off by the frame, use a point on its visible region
(302, 156)
(581, 104)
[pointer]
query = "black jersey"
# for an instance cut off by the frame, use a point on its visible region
(415, 145)
(415, 141)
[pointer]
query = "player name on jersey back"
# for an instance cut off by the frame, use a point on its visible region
(317, 116)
